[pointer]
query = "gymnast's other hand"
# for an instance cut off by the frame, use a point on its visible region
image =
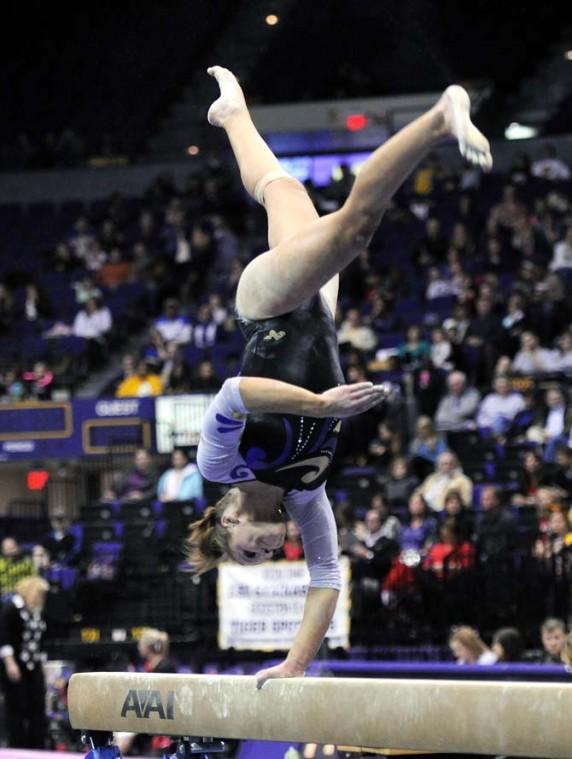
(349, 400)
(284, 669)
(13, 670)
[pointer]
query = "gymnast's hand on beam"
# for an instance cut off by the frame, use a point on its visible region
(349, 400)
(284, 669)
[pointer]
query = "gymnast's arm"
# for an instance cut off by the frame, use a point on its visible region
(316, 522)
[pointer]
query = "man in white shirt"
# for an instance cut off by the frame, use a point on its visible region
(93, 322)
(172, 325)
(457, 409)
(562, 258)
(499, 408)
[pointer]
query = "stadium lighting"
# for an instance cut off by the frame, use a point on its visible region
(193, 150)
(516, 131)
(568, 55)
(272, 19)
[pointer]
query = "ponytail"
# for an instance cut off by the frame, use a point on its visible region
(208, 542)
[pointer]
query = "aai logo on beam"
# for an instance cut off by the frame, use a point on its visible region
(143, 703)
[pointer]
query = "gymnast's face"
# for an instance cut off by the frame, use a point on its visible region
(252, 542)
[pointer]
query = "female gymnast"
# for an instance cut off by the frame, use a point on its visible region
(271, 432)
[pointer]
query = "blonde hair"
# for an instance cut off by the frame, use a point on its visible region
(157, 640)
(30, 587)
(567, 651)
(209, 542)
(469, 638)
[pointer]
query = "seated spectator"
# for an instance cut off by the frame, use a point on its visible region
(60, 543)
(205, 328)
(506, 214)
(141, 384)
(455, 508)
(561, 479)
(175, 374)
(458, 407)
(355, 333)
(448, 475)
(137, 484)
(499, 408)
(563, 354)
(468, 647)
(372, 555)
(36, 308)
(496, 529)
(553, 635)
(432, 246)
(553, 553)
(386, 444)
(14, 566)
(39, 381)
(400, 483)
(421, 531)
(550, 167)
(532, 359)
(513, 323)
(85, 289)
(451, 554)
(292, 550)
(531, 477)
(427, 445)
(442, 352)
(115, 271)
(562, 257)
(552, 423)
(93, 321)
(414, 350)
(12, 389)
(508, 645)
(438, 285)
(484, 335)
(205, 380)
(390, 525)
(182, 482)
(518, 429)
(172, 325)
(80, 241)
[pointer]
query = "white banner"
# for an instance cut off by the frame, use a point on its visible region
(261, 607)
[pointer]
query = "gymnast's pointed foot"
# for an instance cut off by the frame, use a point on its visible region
(455, 105)
(231, 100)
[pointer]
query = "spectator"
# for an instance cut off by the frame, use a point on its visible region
(353, 332)
(451, 554)
(61, 543)
(433, 246)
(173, 326)
(372, 556)
(40, 381)
(82, 238)
(553, 423)
(427, 445)
(496, 529)
(442, 351)
(448, 475)
(455, 508)
(562, 258)
(153, 648)
(138, 484)
(141, 384)
(553, 634)
(421, 531)
(175, 374)
(508, 645)
(531, 358)
(389, 525)
(563, 356)
(468, 647)
(115, 271)
(93, 323)
(499, 408)
(205, 379)
(85, 289)
(414, 350)
(12, 387)
(14, 566)
(457, 409)
(438, 285)
(21, 631)
(182, 482)
(205, 328)
(531, 478)
(400, 483)
(550, 167)
(386, 444)
(293, 550)
(484, 335)
(506, 214)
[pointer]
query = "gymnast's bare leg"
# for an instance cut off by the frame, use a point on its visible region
(307, 252)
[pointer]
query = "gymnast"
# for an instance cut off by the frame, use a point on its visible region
(271, 432)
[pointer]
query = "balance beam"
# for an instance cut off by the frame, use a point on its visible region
(511, 718)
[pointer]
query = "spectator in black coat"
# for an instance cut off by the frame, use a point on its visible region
(21, 630)
(496, 530)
